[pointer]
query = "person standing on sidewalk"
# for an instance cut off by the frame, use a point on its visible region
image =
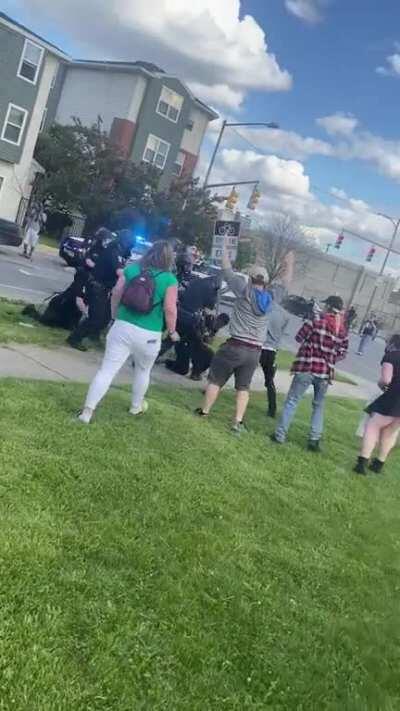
(135, 334)
(240, 355)
(277, 323)
(37, 219)
(324, 341)
(369, 332)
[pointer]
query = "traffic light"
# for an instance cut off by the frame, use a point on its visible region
(254, 198)
(339, 241)
(232, 199)
(371, 253)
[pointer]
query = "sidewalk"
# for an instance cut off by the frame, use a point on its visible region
(66, 365)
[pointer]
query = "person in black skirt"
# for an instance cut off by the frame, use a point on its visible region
(383, 426)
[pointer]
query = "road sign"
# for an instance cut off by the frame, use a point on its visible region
(226, 233)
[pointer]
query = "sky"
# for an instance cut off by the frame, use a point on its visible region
(327, 71)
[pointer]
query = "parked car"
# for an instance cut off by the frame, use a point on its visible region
(73, 249)
(10, 233)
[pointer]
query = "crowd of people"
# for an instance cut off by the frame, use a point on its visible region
(159, 303)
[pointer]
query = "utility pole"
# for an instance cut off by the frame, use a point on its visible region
(396, 225)
(225, 125)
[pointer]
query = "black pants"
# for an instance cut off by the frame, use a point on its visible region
(99, 313)
(267, 362)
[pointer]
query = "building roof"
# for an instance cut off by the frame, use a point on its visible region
(5, 19)
(147, 68)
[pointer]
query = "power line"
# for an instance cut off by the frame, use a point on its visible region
(314, 187)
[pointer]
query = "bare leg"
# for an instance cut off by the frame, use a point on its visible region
(388, 439)
(242, 400)
(372, 433)
(211, 395)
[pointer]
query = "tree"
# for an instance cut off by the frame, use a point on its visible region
(86, 172)
(275, 243)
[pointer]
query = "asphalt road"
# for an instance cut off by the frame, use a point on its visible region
(33, 281)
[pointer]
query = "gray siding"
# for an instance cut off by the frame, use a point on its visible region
(54, 96)
(13, 89)
(149, 121)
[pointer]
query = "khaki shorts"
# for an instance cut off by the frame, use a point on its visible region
(234, 359)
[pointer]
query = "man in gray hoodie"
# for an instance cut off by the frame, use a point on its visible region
(240, 355)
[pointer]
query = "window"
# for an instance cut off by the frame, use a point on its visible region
(170, 104)
(14, 124)
(178, 165)
(156, 151)
(43, 121)
(31, 60)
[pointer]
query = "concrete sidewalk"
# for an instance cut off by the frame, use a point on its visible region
(66, 365)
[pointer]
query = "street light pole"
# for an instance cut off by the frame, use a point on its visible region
(225, 124)
(396, 225)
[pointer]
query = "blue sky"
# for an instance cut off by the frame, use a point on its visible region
(326, 57)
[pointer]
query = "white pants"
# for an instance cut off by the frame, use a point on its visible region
(31, 238)
(126, 340)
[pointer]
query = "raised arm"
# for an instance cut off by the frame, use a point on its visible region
(236, 283)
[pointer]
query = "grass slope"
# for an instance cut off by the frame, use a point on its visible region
(158, 563)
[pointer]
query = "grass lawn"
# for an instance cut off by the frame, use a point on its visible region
(158, 563)
(15, 328)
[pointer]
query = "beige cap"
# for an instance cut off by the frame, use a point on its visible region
(258, 273)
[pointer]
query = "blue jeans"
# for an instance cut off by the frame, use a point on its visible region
(300, 384)
(364, 342)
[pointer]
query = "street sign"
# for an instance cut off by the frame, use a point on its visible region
(226, 233)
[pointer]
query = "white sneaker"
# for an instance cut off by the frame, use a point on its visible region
(140, 410)
(85, 416)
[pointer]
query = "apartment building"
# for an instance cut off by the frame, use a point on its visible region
(28, 68)
(152, 116)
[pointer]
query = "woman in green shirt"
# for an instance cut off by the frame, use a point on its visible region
(137, 334)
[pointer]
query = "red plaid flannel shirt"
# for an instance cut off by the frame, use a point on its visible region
(322, 345)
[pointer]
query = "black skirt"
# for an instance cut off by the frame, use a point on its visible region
(387, 404)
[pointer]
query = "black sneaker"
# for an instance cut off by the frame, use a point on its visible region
(199, 412)
(314, 445)
(77, 345)
(271, 414)
(361, 466)
(376, 466)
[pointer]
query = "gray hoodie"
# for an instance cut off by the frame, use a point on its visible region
(248, 322)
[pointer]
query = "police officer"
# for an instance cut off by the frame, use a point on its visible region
(103, 262)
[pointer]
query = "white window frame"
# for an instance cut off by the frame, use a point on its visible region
(176, 162)
(166, 116)
(6, 122)
(160, 140)
(38, 67)
(43, 121)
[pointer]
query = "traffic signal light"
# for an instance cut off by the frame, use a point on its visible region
(232, 199)
(371, 253)
(254, 198)
(339, 241)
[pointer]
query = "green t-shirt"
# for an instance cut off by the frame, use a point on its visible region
(154, 321)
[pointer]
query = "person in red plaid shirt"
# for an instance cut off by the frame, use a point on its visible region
(324, 341)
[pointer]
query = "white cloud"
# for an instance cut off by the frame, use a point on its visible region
(392, 67)
(206, 42)
(218, 95)
(287, 143)
(338, 124)
(283, 176)
(307, 10)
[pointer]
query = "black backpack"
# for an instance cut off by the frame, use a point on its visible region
(139, 293)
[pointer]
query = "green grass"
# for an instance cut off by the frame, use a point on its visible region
(158, 563)
(16, 328)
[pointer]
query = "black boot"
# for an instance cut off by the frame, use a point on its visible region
(314, 445)
(376, 466)
(361, 466)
